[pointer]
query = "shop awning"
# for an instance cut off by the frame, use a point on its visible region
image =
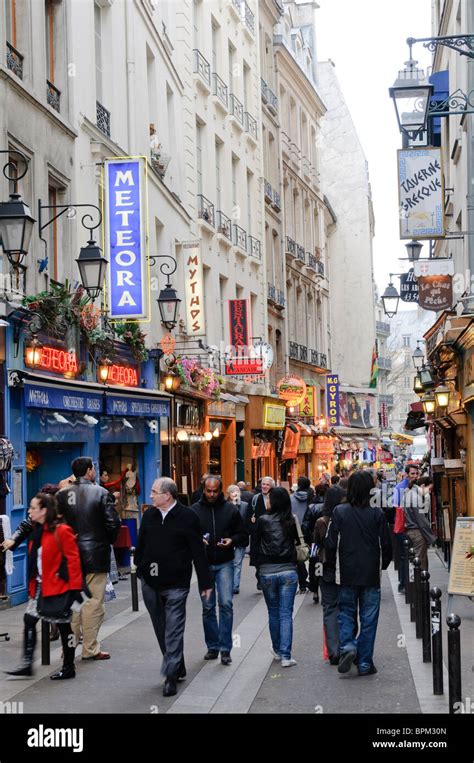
(402, 438)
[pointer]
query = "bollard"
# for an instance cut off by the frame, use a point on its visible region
(417, 585)
(437, 641)
(411, 584)
(406, 562)
(45, 644)
(454, 663)
(133, 580)
(425, 615)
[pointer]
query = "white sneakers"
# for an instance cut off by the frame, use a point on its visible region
(288, 663)
(276, 656)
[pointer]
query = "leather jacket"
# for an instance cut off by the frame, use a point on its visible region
(89, 509)
(273, 547)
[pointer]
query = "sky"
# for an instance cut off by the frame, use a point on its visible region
(366, 40)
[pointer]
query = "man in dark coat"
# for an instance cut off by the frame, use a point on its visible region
(89, 509)
(245, 494)
(169, 541)
(222, 528)
(358, 535)
(259, 504)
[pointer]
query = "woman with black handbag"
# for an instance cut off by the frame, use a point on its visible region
(54, 583)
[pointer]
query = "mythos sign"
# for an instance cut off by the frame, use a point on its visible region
(126, 222)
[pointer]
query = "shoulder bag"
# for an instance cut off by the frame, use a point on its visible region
(302, 548)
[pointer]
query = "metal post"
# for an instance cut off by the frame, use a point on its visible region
(45, 653)
(418, 616)
(411, 584)
(406, 562)
(133, 580)
(437, 641)
(425, 615)
(454, 663)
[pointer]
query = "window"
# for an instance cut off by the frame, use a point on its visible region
(98, 52)
(231, 68)
(49, 24)
(52, 234)
(10, 12)
(407, 361)
(234, 180)
(199, 156)
(406, 340)
(215, 42)
(249, 202)
(218, 174)
(247, 88)
(151, 82)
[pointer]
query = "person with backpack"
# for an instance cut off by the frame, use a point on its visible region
(259, 505)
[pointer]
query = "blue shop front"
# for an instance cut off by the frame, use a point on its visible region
(52, 419)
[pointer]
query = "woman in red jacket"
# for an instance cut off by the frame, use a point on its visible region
(49, 544)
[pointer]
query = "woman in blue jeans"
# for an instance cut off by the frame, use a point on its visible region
(276, 536)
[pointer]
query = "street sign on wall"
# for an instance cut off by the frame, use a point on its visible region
(421, 193)
(125, 243)
(194, 288)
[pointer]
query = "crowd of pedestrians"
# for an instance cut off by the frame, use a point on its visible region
(335, 538)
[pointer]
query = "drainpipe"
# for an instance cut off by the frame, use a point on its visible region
(469, 300)
(130, 53)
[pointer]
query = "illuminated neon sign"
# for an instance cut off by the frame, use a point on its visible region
(120, 376)
(51, 359)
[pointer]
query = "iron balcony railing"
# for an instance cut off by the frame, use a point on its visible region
(251, 125)
(205, 209)
(276, 296)
(276, 200)
(272, 101)
(255, 247)
(263, 88)
(320, 268)
(202, 67)
(382, 327)
(385, 364)
(236, 4)
(306, 355)
(312, 263)
(300, 253)
(248, 18)
(220, 90)
(103, 118)
(224, 225)
(236, 109)
(268, 191)
(14, 61)
(388, 399)
(53, 95)
(291, 246)
(240, 237)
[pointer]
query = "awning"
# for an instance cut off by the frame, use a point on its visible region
(228, 398)
(403, 438)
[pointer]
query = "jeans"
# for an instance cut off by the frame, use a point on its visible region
(239, 554)
(330, 602)
(367, 599)
(219, 635)
(279, 590)
(167, 610)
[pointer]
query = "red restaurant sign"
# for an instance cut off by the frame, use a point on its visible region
(122, 376)
(51, 359)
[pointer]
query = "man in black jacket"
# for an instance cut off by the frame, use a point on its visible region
(222, 528)
(358, 535)
(89, 509)
(169, 541)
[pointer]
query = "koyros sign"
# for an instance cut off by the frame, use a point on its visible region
(126, 220)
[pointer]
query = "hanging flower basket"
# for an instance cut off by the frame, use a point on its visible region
(192, 374)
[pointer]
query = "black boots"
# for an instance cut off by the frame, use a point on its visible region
(68, 669)
(25, 668)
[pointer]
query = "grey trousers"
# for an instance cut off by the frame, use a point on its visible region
(330, 602)
(167, 610)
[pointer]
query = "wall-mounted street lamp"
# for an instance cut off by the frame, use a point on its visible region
(429, 403)
(418, 388)
(92, 268)
(390, 299)
(426, 377)
(16, 222)
(168, 300)
(414, 248)
(442, 396)
(418, 357)
(104, 369)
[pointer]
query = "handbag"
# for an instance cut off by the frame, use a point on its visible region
(57, 607)
(399, 526)
(302, 548)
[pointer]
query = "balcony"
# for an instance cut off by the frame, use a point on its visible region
(202, 67)
(224, 225)
(236, 6)
(276, 296)
(300, 253)
(312, 263)
(290, 246)
(53, 95)
(103, 119)
(263, 88)
(285, 145)
(14, 61)
(272, 101)
(276, 201)
(205, 210)
(382, 328)
(248, 18)
(255, 247)
(240, 237)
(220, 90)
(388, 399)
(320, 268)
(306, 355)
(251, 126)
(385, 364)
(268, 191)
(236, 110)
(307, 169)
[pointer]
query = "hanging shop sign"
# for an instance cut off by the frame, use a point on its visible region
(168, 343)
(194, 289)
(126, 406)
(124, 376)
(126, 223)
(274, 416)
(38, 396)
(53, 359)
(384, 415)
(236, 366)
(461, 573)
(292, 389)
(290, 445)
(421, 193)
(357, 410)
(436, 292)
(468, 386)
(307, 405)
(409, 287)
(240, 335)
(305, 444)
(332, 397)
(323, 447)
(263, 450)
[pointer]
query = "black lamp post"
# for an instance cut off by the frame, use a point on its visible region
(414, 250)
(442, 396)
(418, 388)
(426, 377)
(411, 94)
(92, 268)
(16, 222)
(390, 300)
(168, 303)
(418, 357)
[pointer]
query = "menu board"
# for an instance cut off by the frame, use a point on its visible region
(461, 574)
